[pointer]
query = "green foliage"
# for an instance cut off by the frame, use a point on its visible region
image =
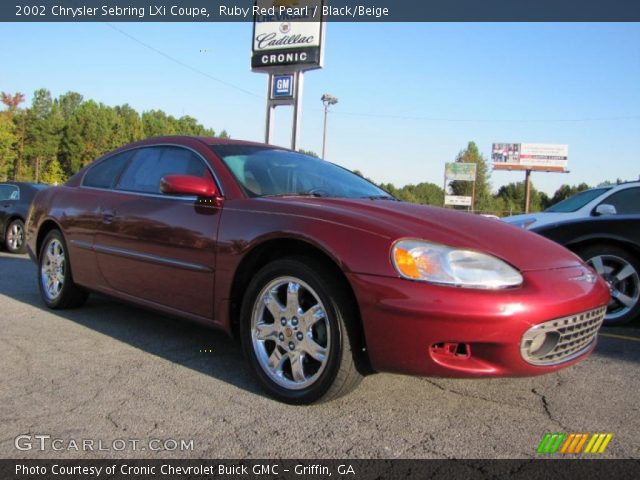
(311, 153)
(510, 198)
(53, 173)
(566, 191)
(483, 199)
(424, 193)
(7, 145)
(54, 138)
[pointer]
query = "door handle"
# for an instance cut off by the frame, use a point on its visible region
(108, 215)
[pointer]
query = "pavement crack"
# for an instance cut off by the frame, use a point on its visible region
(546, 408)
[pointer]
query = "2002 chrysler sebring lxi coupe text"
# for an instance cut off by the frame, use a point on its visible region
(322, 275)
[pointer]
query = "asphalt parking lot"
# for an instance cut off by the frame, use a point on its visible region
(109, 371)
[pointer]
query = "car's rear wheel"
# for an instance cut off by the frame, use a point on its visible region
(294, 333)
(57, 287)
(14, 237)
(620, 269)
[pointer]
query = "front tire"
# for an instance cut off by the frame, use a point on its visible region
(621, 270)
(294, 333)
(57, 287)
(14, 237)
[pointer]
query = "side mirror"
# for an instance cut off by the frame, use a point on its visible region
(605, 209)
(189, 185)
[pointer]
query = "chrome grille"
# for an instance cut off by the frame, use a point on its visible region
(562, 339)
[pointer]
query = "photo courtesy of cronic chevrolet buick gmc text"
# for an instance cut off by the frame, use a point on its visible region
(321, 274)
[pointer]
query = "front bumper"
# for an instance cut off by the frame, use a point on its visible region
(422, 329)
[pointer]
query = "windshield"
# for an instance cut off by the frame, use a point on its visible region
(266, 171)
(576, 202)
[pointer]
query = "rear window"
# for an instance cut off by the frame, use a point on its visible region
(9, 192)
(105, 173)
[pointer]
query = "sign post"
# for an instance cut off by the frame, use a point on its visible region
(461, 172)
(530, 157)
(288, 40)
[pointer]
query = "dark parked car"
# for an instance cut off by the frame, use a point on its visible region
(15, 199)
(321, 274)
(611, 245)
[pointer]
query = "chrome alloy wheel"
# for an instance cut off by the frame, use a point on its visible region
(52, 269)
(15, 236)
(623, 281)
(290, 332)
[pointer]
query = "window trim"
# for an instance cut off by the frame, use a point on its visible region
(146, 194)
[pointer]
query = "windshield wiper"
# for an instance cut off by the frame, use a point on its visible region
(296, 194)
(382, 197)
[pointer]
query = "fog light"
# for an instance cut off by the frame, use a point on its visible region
(537, 342)
(543, 343)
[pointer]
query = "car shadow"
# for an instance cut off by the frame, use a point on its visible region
(205, 350)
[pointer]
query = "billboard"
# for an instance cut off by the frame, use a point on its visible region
(457, 200)
(460, 171)
(287, 33)
(530, 156)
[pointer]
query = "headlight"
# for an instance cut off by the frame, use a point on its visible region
(431, 262)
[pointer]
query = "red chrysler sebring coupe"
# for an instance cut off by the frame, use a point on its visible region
(320, 274)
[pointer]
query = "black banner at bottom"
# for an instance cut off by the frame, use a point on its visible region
(541, 469)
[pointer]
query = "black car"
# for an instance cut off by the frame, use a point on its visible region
(15, 198)
(611, 245)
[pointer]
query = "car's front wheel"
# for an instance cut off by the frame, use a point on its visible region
(294, 332)
(57, 287)
(620, 269)
(14, 238)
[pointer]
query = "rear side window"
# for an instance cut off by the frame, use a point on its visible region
(626, 201)
(149, 165)
(9, 192)
(105, 173)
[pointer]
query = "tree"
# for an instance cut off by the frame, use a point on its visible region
(53, 173)
(69, 103)
(311, 153)
(511, 197)
(12, 102)
(566, 191)
(483, 201)
(7, 145)
(43, 128)
(54, 138)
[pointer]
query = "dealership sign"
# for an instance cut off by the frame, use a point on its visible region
(460, 171)
(530, 156)
(458, 200)
(287, 33)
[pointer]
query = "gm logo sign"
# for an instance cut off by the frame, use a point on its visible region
(282, 87)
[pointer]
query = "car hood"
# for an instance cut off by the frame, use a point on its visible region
(525, 250)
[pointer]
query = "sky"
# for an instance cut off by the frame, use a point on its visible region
(411, 95)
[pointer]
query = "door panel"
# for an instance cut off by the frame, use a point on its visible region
(155, 247)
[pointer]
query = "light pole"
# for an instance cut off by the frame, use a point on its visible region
(326, 101)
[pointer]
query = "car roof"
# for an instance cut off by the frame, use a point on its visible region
(206, 140)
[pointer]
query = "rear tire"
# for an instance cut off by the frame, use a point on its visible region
(57, 288)
(15, 238)
(294, 332)
(621, 270)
